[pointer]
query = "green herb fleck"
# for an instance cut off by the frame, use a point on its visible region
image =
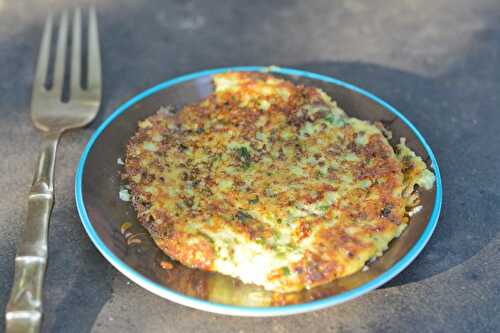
(333, 120)
(244, 156)
(386, 211)
(286, 271)
(243, 217)
(253, 201)
(329, 119)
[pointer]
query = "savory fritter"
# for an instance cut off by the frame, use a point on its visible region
(271, 183)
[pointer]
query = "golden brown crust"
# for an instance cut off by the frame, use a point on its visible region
(271, 175)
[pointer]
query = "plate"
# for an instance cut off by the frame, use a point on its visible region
(113, 228)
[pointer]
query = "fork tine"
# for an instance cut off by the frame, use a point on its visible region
(76, 47)
(60, 63)
(94, 55)
(43, 54)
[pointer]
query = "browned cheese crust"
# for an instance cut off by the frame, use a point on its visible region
(270, 182)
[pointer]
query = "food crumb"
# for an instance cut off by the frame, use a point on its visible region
(124, 227)
(166, 265)
(119, 161)
(415, 211)
(132, 240)
(124, 194)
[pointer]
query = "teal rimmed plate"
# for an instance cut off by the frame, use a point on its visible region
(112, 226)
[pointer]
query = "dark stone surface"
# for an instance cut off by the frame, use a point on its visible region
(436, 60)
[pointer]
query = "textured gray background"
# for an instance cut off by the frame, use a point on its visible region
(436, 60)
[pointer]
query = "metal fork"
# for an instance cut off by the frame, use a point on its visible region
(52, 116)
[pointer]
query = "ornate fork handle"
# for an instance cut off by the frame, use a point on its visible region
(52, 116)
(24, 310)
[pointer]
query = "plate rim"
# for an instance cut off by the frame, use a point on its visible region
(234, 310)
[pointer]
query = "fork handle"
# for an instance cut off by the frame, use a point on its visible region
(24, 309)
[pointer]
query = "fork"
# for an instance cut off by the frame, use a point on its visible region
(52, 116)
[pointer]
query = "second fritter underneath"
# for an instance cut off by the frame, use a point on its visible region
(271, 183)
